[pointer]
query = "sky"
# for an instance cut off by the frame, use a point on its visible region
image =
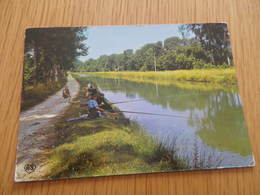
(107, 40)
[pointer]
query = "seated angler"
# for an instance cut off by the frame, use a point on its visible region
(102, 102)
(66, 93)
(88, 92)
(94, 109)
(91, 89)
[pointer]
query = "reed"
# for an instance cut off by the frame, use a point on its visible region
(33, 95)
(215, 76)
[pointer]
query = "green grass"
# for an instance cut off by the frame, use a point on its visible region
(214, 76)
(33, 95)
(106, 146)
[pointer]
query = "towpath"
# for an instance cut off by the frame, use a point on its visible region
(34, 140)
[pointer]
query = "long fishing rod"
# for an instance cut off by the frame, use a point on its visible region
(118, 102)
(142, 99)
(136, 100)
(148, 113)
(108, 89)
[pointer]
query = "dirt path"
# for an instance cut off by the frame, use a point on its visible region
(34, 139)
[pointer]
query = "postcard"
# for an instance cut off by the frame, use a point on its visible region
(118, 100)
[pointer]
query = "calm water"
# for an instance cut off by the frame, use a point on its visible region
(211, 124)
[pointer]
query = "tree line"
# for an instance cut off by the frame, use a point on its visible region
(50, 53)
(208, 48)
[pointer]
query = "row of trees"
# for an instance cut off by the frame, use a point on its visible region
(50, 53)
(210, 47)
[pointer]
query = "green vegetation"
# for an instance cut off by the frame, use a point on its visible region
(33, 95)
(106, 146)
(208, 47)
(110, 146)
(219, 77)
(49, 54)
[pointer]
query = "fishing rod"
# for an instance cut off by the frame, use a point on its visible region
(142, 99)
(136, 100)
(108, 89)
(117, 102)
(148, 113)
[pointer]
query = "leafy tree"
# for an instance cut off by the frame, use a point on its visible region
(168, 61)
(173, 43)
(28, 70)
(205, 50)
(215, 39)
(53, 51)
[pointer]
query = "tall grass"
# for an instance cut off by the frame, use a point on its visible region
(216, 76)
(33, 95)
(108, 148)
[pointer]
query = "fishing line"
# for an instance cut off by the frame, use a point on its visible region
(136, 100)
(148, 113)
(142, 99)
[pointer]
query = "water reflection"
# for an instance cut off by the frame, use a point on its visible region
(214, 122)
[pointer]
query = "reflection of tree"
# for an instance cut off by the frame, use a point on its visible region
(223, 126)
(217, 115)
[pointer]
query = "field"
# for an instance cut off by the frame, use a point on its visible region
(213, 76)
(201, 79)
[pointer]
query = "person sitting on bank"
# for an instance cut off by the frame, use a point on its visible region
(92, 91)
(66, 93)
(85, 93)
(102, 102)
(89, 85)
(88, 91)
(94, 109)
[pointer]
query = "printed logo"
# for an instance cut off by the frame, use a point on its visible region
(29, 168)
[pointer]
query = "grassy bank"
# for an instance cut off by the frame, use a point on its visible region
(33, 95)
(212, 76)
(106, 146)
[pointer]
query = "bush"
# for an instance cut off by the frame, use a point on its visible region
(33, 95)
(184, 62)
(198, 64)
(210, 75)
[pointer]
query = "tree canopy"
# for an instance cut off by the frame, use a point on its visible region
(215, 39)
(50, 53)
(209, 47)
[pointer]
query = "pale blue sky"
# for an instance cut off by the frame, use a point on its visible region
(106, 40)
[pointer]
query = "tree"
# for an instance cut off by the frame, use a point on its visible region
(168, 61)
(173, 43)
(215, 39)
(205, 49)
(148, 54)
(53, 51)
(128, 62)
